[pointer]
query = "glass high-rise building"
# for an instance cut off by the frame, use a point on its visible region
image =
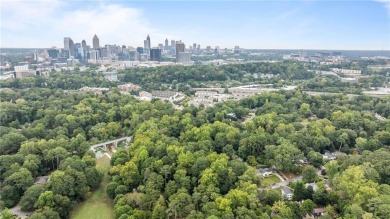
(67, 43)
(155, 55)
(180, 47)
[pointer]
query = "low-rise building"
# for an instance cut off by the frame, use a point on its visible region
(313, 185)
(329, 156)
(317, 212)
(347, 71)
(287, 193)
(143, 95)
(266, 172)
(128, 87)
(171, 96)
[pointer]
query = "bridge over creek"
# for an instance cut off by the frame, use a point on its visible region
(101, 148)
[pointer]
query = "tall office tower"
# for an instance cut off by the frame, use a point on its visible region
(71, 48)
(183, 57)
(133, 56)
(208, 49)
(81, 54)
(180, 47)
(140, 50)
(155, 55)
(103, 52)
(173, 43)
(237, 49)
(84, 45)
(166, 43)
(147, 43)
(194, 46)
(53, 53)
(95, 55)
(216, 50)
(95, 42)
(67, 43)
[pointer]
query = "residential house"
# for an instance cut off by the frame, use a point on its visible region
(313, 185)
(329, 156)
(143, 95)
(287, 193)
(317, 212)
(304, 160)
(128, 87)
(265, 172)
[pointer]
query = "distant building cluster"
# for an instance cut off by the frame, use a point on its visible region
(171, 96)
(85, 53)
(350, 72)
(210, 96)
(73, 53)
(128, 87)
(322, 58)
(78, 55)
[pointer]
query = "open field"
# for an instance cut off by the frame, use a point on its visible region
(268, 181)
(98, 205)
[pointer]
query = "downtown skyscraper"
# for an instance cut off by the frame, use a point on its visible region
(95, 42)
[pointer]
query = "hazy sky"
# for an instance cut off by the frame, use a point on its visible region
(249, 24)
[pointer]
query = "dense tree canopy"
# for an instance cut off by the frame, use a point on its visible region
(194, 162)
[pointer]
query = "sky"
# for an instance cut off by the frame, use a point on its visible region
(310, 24)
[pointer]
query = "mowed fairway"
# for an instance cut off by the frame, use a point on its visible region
(99, 205)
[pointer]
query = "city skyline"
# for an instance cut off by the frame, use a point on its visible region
(348, 25)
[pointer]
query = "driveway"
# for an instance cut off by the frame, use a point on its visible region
(284, 181)
(19, 213)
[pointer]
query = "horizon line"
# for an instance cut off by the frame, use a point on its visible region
(376, 50)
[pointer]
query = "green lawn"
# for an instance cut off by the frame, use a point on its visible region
(98, 205)
(269, 180)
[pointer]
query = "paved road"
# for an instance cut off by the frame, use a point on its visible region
(284, 183)
(21, 214)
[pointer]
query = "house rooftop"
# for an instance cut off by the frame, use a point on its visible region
(313, 185)
(330, 155)
(318, 210)
(265, 170)
(286, 190)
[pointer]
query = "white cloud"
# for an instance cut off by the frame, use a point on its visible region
(386, 4)
(45, 23)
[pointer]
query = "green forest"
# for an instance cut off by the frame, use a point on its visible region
(195, 162)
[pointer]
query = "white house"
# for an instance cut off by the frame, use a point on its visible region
(287, 193)
(329, 156)
(266, 171)
(313, 185)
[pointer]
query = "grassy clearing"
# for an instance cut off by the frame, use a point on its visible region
(268, 181)
(98, 205)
